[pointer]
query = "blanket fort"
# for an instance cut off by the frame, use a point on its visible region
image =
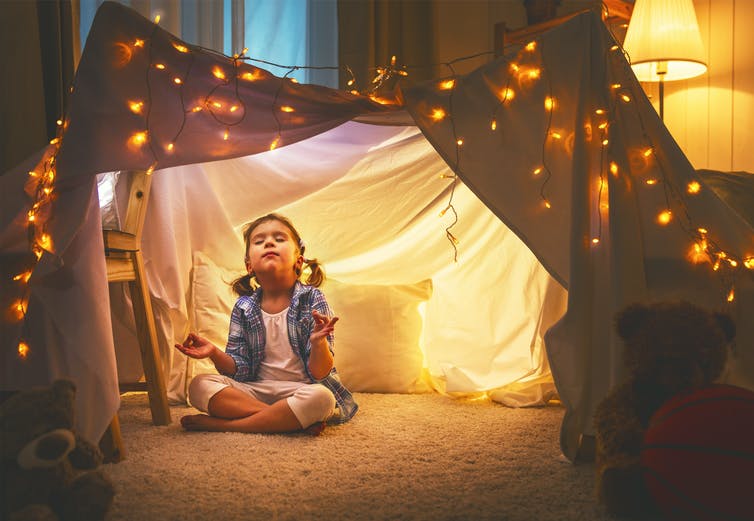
(555, 139)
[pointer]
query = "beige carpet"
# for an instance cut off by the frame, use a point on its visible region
(412, 457)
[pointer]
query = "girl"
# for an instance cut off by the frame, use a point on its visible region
(277, 373)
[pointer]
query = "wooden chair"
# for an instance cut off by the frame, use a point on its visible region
(125, 263)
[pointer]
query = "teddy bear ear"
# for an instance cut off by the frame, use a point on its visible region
(727, 325)
(628, 321)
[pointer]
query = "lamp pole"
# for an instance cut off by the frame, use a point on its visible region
(662, 70)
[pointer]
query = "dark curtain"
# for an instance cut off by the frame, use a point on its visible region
(36, 74)
(371, 31)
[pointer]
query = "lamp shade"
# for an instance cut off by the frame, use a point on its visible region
(663, 41)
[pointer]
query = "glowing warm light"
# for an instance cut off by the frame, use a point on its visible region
(537, 170)
(226, 134)
(179, 47)
(459, 142)
(160, 66)
(23, 349)
(293, 80)
(170, 147)
(136, 106)
(54, 141)
(493, 124)
(547, 204)
(157, 19)
(274, 144)
(605, 142)
(198, 108)
(286, 108)
(664, 217)
(507, 94)
(647, 152)
(556, 135)
(218, 73)
(45, 241)
(151, 168)
(733, 263)
(602, 126)
(533, 74)
(596, 240)
(31, 217)
(513, 67)
(138, 139)
(615, 86)
(25, 276)
(350, 82)
(217, 104)
(651, 181)
(625, 97)
(599, 111)
(447, 84)
(698, 253)
(613, 168)
(749, 263)
(177, 81)
(250, 76)
(531, 46)
(703, 231)
(614, 48)
(234, 108)
(437, 114)
(732, 295)
(693, 187)
(139, 43)
(59, 122)
(444, 211)
(549, 103)
(32, 173)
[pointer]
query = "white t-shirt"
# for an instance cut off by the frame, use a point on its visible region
(280, 362)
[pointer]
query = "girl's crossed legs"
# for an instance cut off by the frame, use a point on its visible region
(264, 406)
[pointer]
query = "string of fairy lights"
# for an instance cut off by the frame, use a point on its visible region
(522, 69)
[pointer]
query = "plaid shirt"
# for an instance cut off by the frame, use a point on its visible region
(246, 340)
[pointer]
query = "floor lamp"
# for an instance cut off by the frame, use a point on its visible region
(663, 43)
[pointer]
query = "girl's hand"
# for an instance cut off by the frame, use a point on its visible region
(323, 326)
(196, 347)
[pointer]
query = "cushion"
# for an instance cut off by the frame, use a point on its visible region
(378, 336)
(377, 339)
(212, 301)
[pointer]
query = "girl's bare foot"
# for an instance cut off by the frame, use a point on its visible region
(202, 422)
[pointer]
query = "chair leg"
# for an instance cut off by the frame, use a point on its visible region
(147, 334)
(111, 444)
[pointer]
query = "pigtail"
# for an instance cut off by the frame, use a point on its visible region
(316, 273)
(243, 286)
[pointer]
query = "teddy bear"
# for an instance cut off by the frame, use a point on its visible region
(48, 471)
(668, 348)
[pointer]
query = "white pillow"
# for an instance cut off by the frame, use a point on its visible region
(377, 339)
(212, 300)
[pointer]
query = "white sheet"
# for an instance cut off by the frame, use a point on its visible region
(366, 200)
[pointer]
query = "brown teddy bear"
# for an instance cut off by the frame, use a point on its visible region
(48, 471)
(669, 347)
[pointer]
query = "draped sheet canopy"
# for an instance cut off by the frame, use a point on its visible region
(552, 146)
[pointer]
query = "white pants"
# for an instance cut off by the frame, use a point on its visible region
(310, 403)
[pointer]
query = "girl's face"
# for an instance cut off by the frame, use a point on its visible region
(272, 250)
